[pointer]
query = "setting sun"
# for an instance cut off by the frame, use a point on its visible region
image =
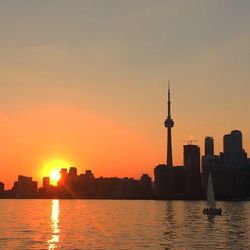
(52, 170)
(54, 176)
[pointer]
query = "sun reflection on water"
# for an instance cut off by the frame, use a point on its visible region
(55, 236)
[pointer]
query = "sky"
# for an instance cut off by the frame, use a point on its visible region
(85, 82)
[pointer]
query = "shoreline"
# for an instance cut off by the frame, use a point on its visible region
(124, 199)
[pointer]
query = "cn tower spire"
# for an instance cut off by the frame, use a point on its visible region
(169, 101)
(169, 123)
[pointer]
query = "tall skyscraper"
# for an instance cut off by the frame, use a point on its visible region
(162, 172)
(1, 186)
(192, 167)
(234, 154)
(46, 183)
(209, 146)
(73, 171)
(25, 187)
(169, 123)
(210, 164)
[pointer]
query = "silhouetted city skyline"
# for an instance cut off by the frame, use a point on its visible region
(124, 124)
(230, 171)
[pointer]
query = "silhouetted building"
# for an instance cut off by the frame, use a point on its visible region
(48, 191)
(177, 181)
(192, 168)
(25, 187)
(63, 174)
(169, 123)
(146, 181)
(162, 186)
(146, 186)
(234, 154)
(71, 182)
(244, 182)
(169, 182)
(209, 160)
(128, 188)
(89, 174)
(225, 182)
(84, 185)
(73, 171)
(210, 163)
(62, 181)
(209, 146)
(1, 186)
(46, 183)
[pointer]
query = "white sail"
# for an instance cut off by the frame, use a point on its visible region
(210, 192)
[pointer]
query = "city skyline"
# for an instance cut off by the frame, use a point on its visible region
(90, 90)
(124, 124)
(233, 156)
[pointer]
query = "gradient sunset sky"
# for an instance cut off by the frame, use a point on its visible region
(85, 82)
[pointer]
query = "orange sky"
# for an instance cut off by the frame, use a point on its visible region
(86, 82)
(30, 139)
(89, 141)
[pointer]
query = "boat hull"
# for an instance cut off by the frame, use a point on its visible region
(212, 211)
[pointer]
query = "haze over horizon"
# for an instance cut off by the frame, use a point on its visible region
(85, 82)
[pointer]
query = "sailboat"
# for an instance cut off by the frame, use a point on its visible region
(211, 209)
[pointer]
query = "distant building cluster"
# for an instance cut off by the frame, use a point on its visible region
(230, 170)
(72, 185)
(83, 186)
(24, 187)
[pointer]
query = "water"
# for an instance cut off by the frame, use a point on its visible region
(115, 224)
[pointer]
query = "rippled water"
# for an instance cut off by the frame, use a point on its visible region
(113, 224)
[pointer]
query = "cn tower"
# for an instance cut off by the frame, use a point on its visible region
(169, 123)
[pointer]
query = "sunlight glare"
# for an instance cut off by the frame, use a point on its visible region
(55, 176)
(52, 170)
(55, 237)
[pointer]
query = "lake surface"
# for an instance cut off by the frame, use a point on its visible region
(116, 224)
